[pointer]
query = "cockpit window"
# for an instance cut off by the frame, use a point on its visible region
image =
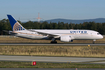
(98, 33)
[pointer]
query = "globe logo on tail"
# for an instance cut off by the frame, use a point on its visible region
(18, 27)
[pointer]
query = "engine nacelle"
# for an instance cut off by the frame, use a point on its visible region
(66, 39)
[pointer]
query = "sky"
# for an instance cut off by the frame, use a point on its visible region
(25, 10)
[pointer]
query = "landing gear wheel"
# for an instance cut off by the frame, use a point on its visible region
(94, 41)
(53, 42)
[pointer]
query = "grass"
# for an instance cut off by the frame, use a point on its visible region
(11, 64)
(75, 51)
(23, 40)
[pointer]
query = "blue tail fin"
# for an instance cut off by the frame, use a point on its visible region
(16, 26)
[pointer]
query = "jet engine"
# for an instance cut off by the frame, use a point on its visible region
(66, 39)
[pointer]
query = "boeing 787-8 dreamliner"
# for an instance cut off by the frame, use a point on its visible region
(62, 35)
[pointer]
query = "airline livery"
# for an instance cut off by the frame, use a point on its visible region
(62, 35)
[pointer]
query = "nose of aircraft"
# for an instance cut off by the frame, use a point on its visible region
(101, 36)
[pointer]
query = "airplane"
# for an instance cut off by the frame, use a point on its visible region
(51, 34)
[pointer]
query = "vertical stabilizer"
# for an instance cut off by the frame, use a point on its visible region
(16, 26)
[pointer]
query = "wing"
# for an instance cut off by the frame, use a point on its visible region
(46, 34)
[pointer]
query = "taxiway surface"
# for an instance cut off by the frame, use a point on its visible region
(48, 59)
(76, 44)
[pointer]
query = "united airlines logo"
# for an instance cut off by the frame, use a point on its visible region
(82, 32)
(17, 27)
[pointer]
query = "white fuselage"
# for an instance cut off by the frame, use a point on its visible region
(75, 34)
(62, 35)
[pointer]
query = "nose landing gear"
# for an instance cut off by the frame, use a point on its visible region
(94, 41)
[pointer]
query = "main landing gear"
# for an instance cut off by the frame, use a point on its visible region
(53, 41)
